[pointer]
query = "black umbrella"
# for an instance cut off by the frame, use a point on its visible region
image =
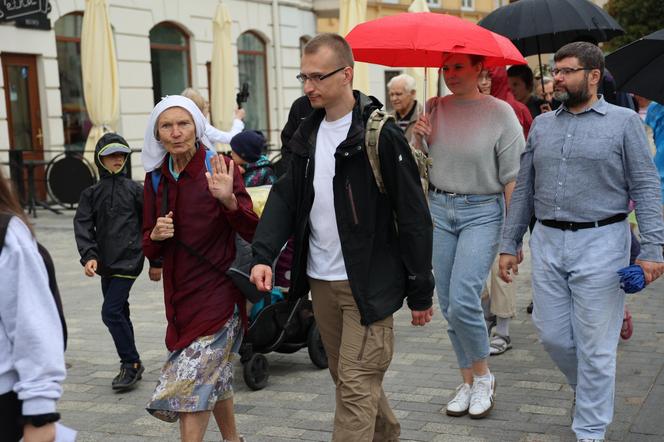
(639, 66)
(544, 26)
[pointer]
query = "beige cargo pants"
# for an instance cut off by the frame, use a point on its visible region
(358, 357)
(501, 294)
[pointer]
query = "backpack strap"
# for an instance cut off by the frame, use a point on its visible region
(374, 125)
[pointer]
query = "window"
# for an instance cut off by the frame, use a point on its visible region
(171, 68)
(434, 3)
(75, 120)
(468, 5)
(252, 65)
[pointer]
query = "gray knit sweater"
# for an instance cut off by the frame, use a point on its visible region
(475, 144)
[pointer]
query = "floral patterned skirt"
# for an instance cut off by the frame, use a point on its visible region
(197, 377)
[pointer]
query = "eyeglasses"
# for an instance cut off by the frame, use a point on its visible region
(316, 78)
(568, 71)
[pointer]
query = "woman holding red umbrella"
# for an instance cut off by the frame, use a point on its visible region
(475, 141)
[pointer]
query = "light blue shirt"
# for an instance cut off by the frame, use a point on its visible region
(587, 167)
(655, 119)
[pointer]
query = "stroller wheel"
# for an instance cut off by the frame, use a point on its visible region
(315, 347)
(256, 372)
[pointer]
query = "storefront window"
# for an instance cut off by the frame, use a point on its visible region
(253, 71)
(171, 69)
(74, 114)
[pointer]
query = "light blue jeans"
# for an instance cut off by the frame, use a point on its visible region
(578, 312)
(465, 242)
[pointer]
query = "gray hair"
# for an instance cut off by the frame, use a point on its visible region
(408, 82)
(547, 80)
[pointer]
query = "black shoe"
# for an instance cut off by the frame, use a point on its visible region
(130, 374)
(490, 323)
(529, 309)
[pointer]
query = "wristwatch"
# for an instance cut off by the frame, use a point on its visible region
(39, 420)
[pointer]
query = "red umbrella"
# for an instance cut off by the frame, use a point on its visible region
(423, 39)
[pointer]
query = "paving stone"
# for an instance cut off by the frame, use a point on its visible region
(538, 409)
(281, 432)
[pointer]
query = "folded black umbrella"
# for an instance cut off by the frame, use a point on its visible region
(544, 26)
(639, 66)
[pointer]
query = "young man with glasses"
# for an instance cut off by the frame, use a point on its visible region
(582, 165)
(359, 251)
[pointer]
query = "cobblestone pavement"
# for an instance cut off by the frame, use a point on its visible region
(532, 399)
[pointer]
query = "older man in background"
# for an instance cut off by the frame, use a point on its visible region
(405, 108)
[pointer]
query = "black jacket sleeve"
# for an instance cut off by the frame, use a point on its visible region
(277, 221)
(84, 228)
(415, 228)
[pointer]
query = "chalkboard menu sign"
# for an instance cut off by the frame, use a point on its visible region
(26, 13)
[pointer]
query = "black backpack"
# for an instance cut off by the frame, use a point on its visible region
(50, 269)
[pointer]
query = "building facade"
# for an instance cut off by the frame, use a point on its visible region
(161, 48)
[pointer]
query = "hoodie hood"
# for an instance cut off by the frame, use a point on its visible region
(499, 87)
(105, 142)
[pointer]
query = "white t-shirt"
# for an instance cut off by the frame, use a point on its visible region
(325, 260)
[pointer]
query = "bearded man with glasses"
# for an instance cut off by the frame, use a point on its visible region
(582, 165)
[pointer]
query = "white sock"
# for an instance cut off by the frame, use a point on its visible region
(484, 377)
(502, 326)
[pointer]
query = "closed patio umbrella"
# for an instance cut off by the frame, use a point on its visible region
(222, 102)
(99, 70)
(352, 13)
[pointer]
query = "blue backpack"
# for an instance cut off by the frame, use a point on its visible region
(156, 174)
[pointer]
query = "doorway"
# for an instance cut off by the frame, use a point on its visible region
(26, 139)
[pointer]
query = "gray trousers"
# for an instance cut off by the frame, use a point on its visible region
(578, 311)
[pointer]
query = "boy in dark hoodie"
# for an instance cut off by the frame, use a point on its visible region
(107, 226)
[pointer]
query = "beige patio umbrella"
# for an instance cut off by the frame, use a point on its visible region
(222, 102)
(100, 72)
(418, 73)
(352, 13)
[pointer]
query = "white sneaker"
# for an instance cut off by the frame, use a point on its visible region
(482, 396)
(458, 406)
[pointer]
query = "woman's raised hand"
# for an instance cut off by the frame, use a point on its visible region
(220, 181)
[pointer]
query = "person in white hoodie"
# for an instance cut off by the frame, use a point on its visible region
(32, 365)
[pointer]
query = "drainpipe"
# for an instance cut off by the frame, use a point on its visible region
(276, 39)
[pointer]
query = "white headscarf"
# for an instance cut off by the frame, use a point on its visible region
(153, 150)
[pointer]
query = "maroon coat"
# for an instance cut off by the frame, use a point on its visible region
(198, 299)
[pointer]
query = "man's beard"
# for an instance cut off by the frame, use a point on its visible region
(573, 98)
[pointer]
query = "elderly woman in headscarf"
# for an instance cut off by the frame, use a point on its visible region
(190, 219)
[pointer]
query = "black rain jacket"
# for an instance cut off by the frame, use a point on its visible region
(109, 220)
(386, 239)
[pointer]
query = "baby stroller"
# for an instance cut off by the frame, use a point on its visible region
(284, 326)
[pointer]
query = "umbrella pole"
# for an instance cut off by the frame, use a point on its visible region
(426, 82)
(539, 58)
